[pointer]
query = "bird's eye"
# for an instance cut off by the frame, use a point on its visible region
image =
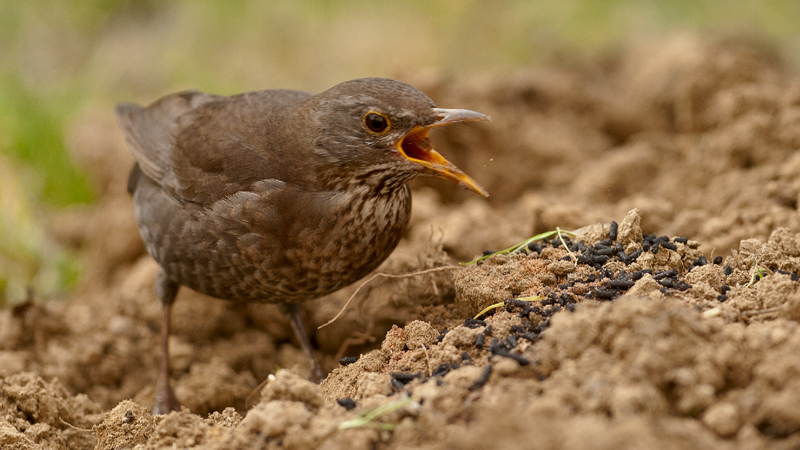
(376, 122)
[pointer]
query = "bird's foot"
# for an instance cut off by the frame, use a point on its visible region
(292, 312)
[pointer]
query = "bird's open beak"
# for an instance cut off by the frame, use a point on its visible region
(416, 146)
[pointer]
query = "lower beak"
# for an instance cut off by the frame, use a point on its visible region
(417, 147)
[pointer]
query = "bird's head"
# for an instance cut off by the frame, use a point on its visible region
(379, 128)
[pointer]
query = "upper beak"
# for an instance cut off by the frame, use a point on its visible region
(450, 116)
(416, 147)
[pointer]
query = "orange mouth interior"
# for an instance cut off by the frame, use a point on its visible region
(417, 146)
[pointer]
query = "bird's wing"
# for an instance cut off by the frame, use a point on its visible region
(200, 148)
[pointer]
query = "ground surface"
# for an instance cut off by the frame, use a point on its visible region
(643, 338)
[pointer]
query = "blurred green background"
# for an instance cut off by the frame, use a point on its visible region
(59, 58)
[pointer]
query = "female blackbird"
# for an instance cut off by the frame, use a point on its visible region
(278, 196)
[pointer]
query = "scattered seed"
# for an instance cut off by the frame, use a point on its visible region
(620, 284)
(347, 360)
(483, 379)
(665, 274)
(405, 378)
(474, 323)
(347, 402)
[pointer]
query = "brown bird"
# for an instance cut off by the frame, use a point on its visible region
(278, 196)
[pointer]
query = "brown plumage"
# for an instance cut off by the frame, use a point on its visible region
(278, 196)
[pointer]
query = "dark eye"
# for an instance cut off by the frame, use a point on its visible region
(377, 123)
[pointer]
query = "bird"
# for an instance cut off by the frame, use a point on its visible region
(278, 196)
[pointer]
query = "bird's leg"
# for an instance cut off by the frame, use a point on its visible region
(292, 312)
(166, 290)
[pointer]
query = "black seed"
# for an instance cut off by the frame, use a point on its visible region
(620, 284)
(483, 379)
(444, 369)
(728, 270)
(405, 378)
(655, 247)
(487, 252)
(601, 293)
(722, 298)
(474, 323)
(347, 402)
(725, 289)
(718, 260)
(488, 330)
(479, 340)
(607, 251)
(465, 356)
(347, 360)
(129, 417)
(510, 342)
(571, 308)
(645, 246)
(612, 233)
(682, 240)
(600, 259)
(667, 283)
(529, 336)
(669, 245)
(665, 274)
(515, 302)
(518, 358)
(605, 242)
(701, 261)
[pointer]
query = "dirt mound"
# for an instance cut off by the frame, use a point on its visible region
(676, 327)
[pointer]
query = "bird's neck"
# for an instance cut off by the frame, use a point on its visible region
(376, 180)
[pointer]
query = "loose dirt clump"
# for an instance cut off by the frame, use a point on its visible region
(668, 318)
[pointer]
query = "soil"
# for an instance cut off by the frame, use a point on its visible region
(668, 320)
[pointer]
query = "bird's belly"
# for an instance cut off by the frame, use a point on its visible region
(236, 260)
